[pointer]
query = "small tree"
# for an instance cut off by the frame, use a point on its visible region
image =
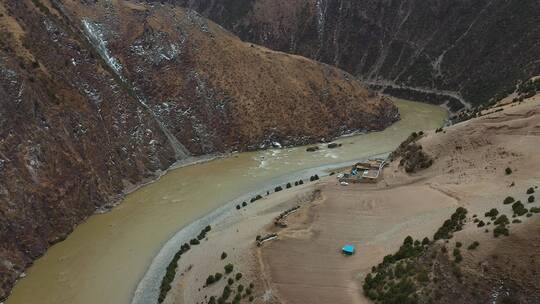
(210, 280)
(473, 246)
(238, 276)
(531, 199)
(229, 268)
(508, 200)
(530, 190)
(223, 255)
(508, 171)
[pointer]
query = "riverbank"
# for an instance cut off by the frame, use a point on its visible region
(78, 269)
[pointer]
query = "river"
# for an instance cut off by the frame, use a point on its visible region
(104, 258)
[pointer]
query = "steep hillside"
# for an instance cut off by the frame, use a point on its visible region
(457, 49)
(98, 97)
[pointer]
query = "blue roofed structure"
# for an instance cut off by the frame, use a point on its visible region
(348, 249)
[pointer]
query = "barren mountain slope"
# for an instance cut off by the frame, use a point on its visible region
(96, 97)
(473, 48)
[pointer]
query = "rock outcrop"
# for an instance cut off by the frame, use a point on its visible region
(454, 51)
(96, 97)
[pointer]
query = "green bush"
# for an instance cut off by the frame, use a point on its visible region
(518, 208)
(194, 242)
(244, 204)
(210, 280)
(481, 224)
(455, 223)
(218, 276)
(238, 276)
(238, 207)
(500, 230)
(508, 200)
(502, 220)
(223, 255)
(229, 268)
(530, 190)
(531, 199)
(493, 212)
(508, 171)
(230, 281)
(240, 288)
(425, 241)
(226, 292)
(516, 221)
(535, 209)
(473, 246)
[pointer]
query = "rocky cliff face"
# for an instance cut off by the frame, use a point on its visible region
(463, 50)
(96, 97)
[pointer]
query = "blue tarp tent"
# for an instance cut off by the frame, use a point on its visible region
(348, 249)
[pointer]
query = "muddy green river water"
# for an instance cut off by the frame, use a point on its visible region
(104, 259)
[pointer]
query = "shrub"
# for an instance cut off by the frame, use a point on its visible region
(226, 292)
(238, 207)
(288, 185)
(535, 209)
(194, 242)
(229, 268)
(278, 188)
(518, 208)
(425, 241)
(244, 204)
(502, 220)
(210, 280)
(238, 276)
(481, 224)
(240, 288)
(256, 198)
(473, 246)
(455, 223)
(508, 200)
(223, 255)
(516, 221)
(493, 212)
(251, 298)
(300, 182)
(218, 276)
(531, 199)
(230, 281)
(529, 214)
(530, 190)
(212, 300)
(508, 171)
(500, 230)
(459, 244)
